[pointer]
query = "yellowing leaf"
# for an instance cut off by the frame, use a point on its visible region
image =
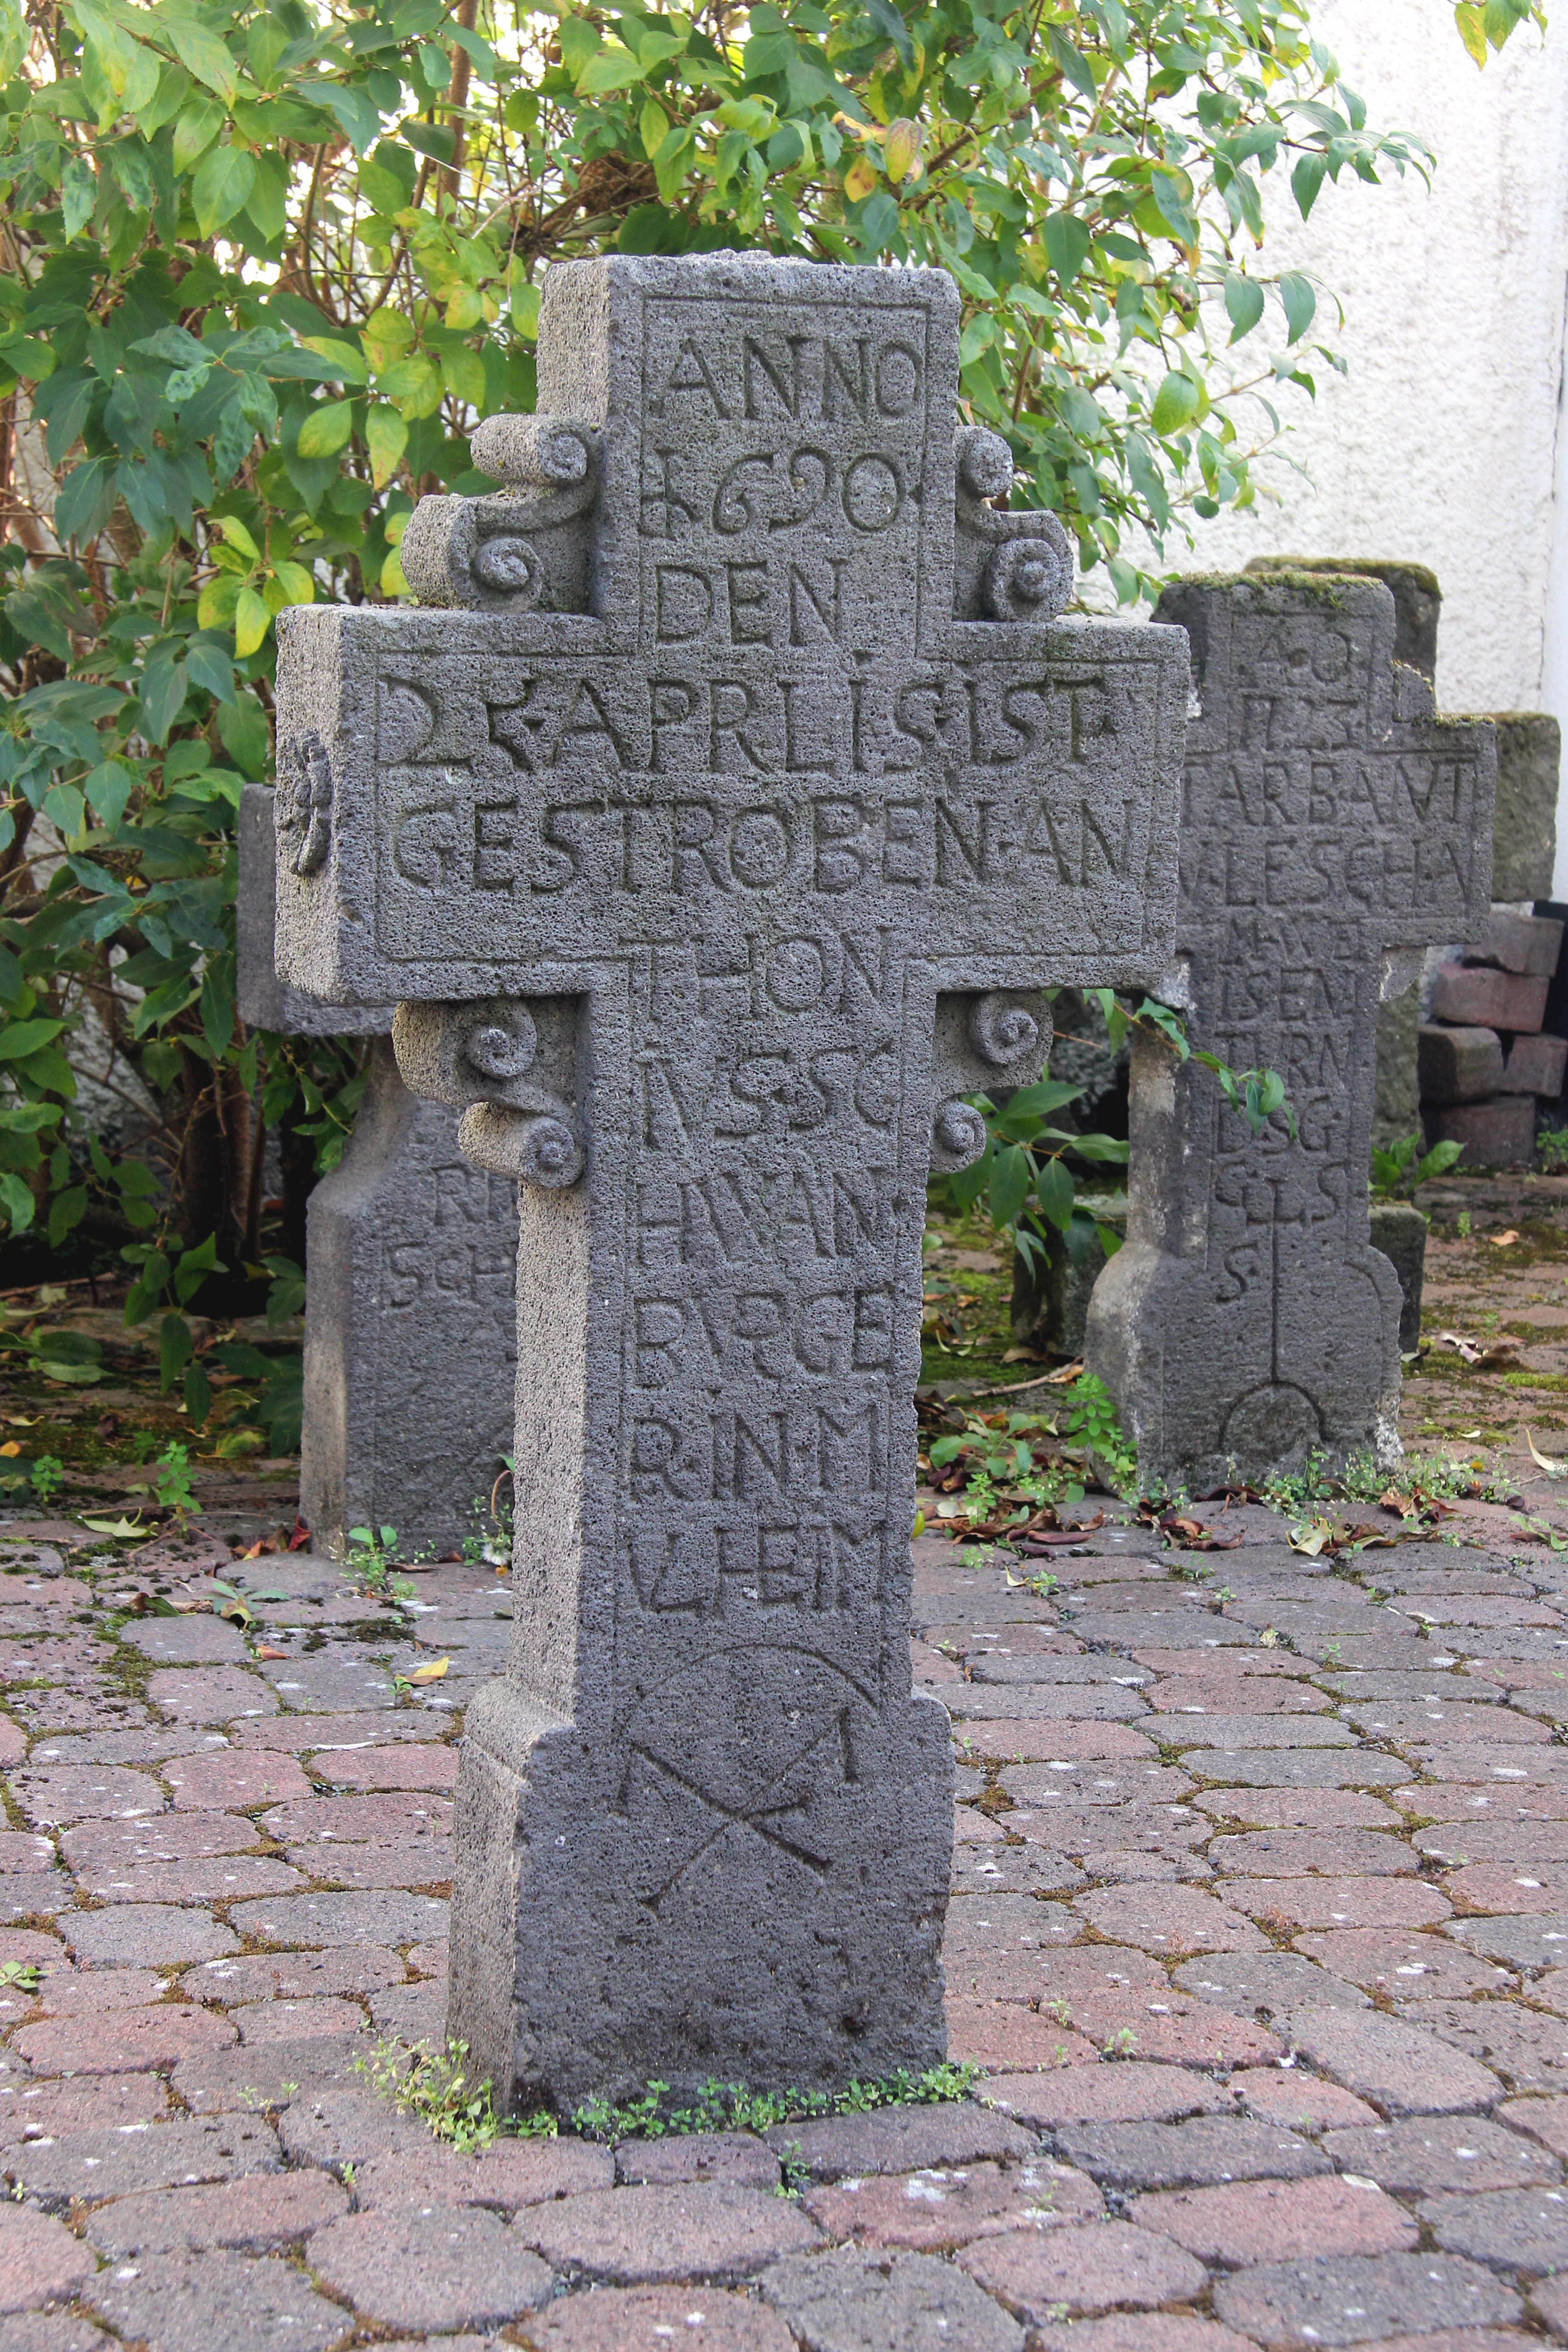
(919, 1526)
(859, 179)
(11, 1445)
(252, 622)
(326, 428)
(236, 533)
(393, 583)
(432, 1672)
(214, 606)
(465, 308)
(298, 584)
(387, 435)
(384, 335)
(902, 149)
(1471, 23)
(342, 356)
(123, 1530)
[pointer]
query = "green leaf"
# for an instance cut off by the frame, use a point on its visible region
(86, 501)
(611, 68)
(17, 1201)
(175, 1349)
(20, 1038)
(78, 194)
(225, 178)
(1010, 1172)
(197, 127)
(327, 428)
(1068, 244)
(1244, 304)
(358, 117)
(1176, 404)
(1300, 304)
(1054, 1191)
(1306, 179)
(199, 51)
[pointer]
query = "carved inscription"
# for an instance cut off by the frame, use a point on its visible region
(1327, 817)
(782, 825)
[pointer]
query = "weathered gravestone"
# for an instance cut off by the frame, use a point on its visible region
(410, 1320)
(1332, 827)
(714, 852)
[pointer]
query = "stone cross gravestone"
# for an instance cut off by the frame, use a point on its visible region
(715, 851)
(410, 1318)
(1332, 827)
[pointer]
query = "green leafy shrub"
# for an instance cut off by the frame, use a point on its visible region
(267, 265)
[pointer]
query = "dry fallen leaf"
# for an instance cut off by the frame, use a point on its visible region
(1558, 1469)
(432, 1672)
(10, 1446)
(266, 1650)
(1500, 1240)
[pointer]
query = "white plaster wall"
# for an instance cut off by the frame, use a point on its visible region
(1441, 443)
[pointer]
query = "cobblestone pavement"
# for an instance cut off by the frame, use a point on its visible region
(1259, 1933)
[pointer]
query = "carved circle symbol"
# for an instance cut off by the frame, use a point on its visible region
(873, 494)
(1001, 1030)
(1029, 579)
(961, 1130)
(759, 849)
(550, 1155)
(987, 464)
(502, 1051)
(510, 566)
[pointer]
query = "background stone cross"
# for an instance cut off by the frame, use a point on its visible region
(714, 849)
(1331, 828)
(410, 1316)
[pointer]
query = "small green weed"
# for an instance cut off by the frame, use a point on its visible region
(49, 1477)
(730, 2107)
(18, 1975)
(1399, 1170)
(435, 2085)
(173, 1480)
(370, 1554)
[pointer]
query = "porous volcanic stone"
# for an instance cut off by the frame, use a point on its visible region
(637, 1043)
(1269, 1329)
(856, 2302)
(649, 2318)
(192, 2303)
(40, 2260)
(1086, 2267)
(1356, 2298)
(437, 2266)
(634, 2237)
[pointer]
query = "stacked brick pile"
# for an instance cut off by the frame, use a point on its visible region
(1484, 1058)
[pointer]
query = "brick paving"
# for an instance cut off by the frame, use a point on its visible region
(1258, 1937)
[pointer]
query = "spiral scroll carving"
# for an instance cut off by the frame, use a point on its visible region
(961, 1131)
(502, 1052)
(1029, 579)
(1002, 1029)
(508, 567)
